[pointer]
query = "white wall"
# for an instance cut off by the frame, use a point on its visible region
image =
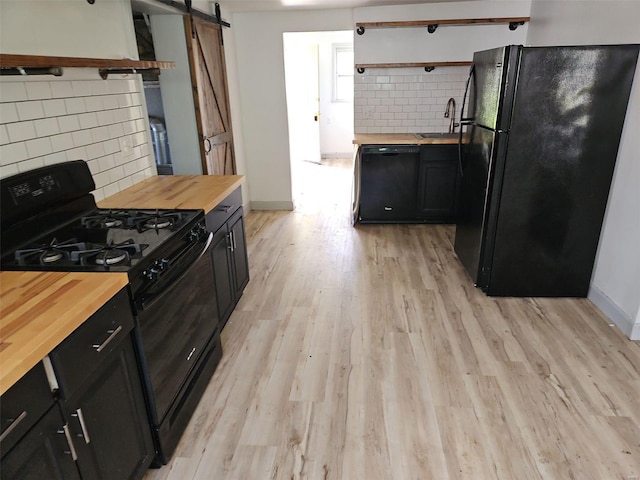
(46, 120)
(615, 284)
(263, 111)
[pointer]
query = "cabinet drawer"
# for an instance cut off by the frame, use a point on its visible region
(22, 406)
(219, 215)
(75, 359)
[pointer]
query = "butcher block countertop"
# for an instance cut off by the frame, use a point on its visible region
(400, 139)
(38, 310)
(176, 191)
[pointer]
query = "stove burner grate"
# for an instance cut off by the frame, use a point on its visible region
(52, 254)
(110, 254)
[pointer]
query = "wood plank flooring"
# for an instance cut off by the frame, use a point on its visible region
(366, 354)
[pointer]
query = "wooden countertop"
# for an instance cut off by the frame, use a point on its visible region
(38, 310)
(400, 139)
(176, 191)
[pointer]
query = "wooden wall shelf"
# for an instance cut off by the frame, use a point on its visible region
(40, 65)
(428, 66)
(432, 25)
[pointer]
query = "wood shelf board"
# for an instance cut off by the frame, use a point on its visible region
(413, 64)
(459, 21)
(39, 61)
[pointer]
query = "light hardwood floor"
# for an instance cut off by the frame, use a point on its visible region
(366, 354)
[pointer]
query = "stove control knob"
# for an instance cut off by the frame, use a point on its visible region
(163, 264)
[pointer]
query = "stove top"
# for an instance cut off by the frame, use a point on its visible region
(101, 240)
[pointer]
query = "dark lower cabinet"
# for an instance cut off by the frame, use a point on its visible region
(85, 418)
(408, 183)
(229, 253)
(35, 441)
(230, 264)
(101, 395)
(438, 183)
(43, 453)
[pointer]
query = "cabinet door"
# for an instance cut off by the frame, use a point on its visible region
(43, 453)
(438, 183)
(221, 257)
(109, 422)
(239, 253)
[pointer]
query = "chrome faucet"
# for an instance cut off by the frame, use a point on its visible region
(450, 112)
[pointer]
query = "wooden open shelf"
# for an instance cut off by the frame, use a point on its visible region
(39, 64)
(432, 25)
(428, 66)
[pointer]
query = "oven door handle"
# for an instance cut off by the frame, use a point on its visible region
(146, 303)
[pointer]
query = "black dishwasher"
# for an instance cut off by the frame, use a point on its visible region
(389, 183)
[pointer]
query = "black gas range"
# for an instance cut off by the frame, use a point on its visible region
(50, 222)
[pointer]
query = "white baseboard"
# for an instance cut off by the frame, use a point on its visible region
(623, 321)
(277, 205)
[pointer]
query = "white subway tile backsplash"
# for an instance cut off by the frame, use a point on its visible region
(54, 108)
(68, 123)
(30, 110)
(420, 97)
(88, 120)
(20, 131)
(9, 170)
(61, 89)
(30, 164)
(94, 104)
(81, 88)
(62, 142)
(75, 105)
(94, 151)
(13, 92)
(53, 121)
(38, 90)
(54, 158)
(39, 147)
(8, 113)
(13, 153)
(46, 127)
(82, 138)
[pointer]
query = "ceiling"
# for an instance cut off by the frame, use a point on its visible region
(266, 5)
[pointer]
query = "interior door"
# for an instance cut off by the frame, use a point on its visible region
(211, 98)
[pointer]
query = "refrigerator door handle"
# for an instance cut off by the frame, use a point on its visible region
(463, 120)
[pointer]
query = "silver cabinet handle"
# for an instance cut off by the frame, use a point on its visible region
(233, 237)
(113, 333)
(387, 209)
(83, 425)
(13, 425)
(230, 237)
(67, 434)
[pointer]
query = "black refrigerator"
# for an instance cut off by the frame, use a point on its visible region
(543, 130)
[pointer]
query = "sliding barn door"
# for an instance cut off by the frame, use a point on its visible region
(209, 77)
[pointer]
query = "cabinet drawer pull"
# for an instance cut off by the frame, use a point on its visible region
(83, 425)
(72, 449)
(113, 333)
(230, 239)
(388, 209)
(13, 425)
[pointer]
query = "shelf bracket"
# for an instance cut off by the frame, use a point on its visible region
(429, 68)
(432, 28)
(55, 71)
(360, 30)
(360, 70)
(514, 25)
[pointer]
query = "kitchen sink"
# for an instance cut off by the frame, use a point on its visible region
(442, 135)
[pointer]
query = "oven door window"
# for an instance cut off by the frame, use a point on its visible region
(174, 330)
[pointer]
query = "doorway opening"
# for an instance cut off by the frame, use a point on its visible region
(319, 93)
